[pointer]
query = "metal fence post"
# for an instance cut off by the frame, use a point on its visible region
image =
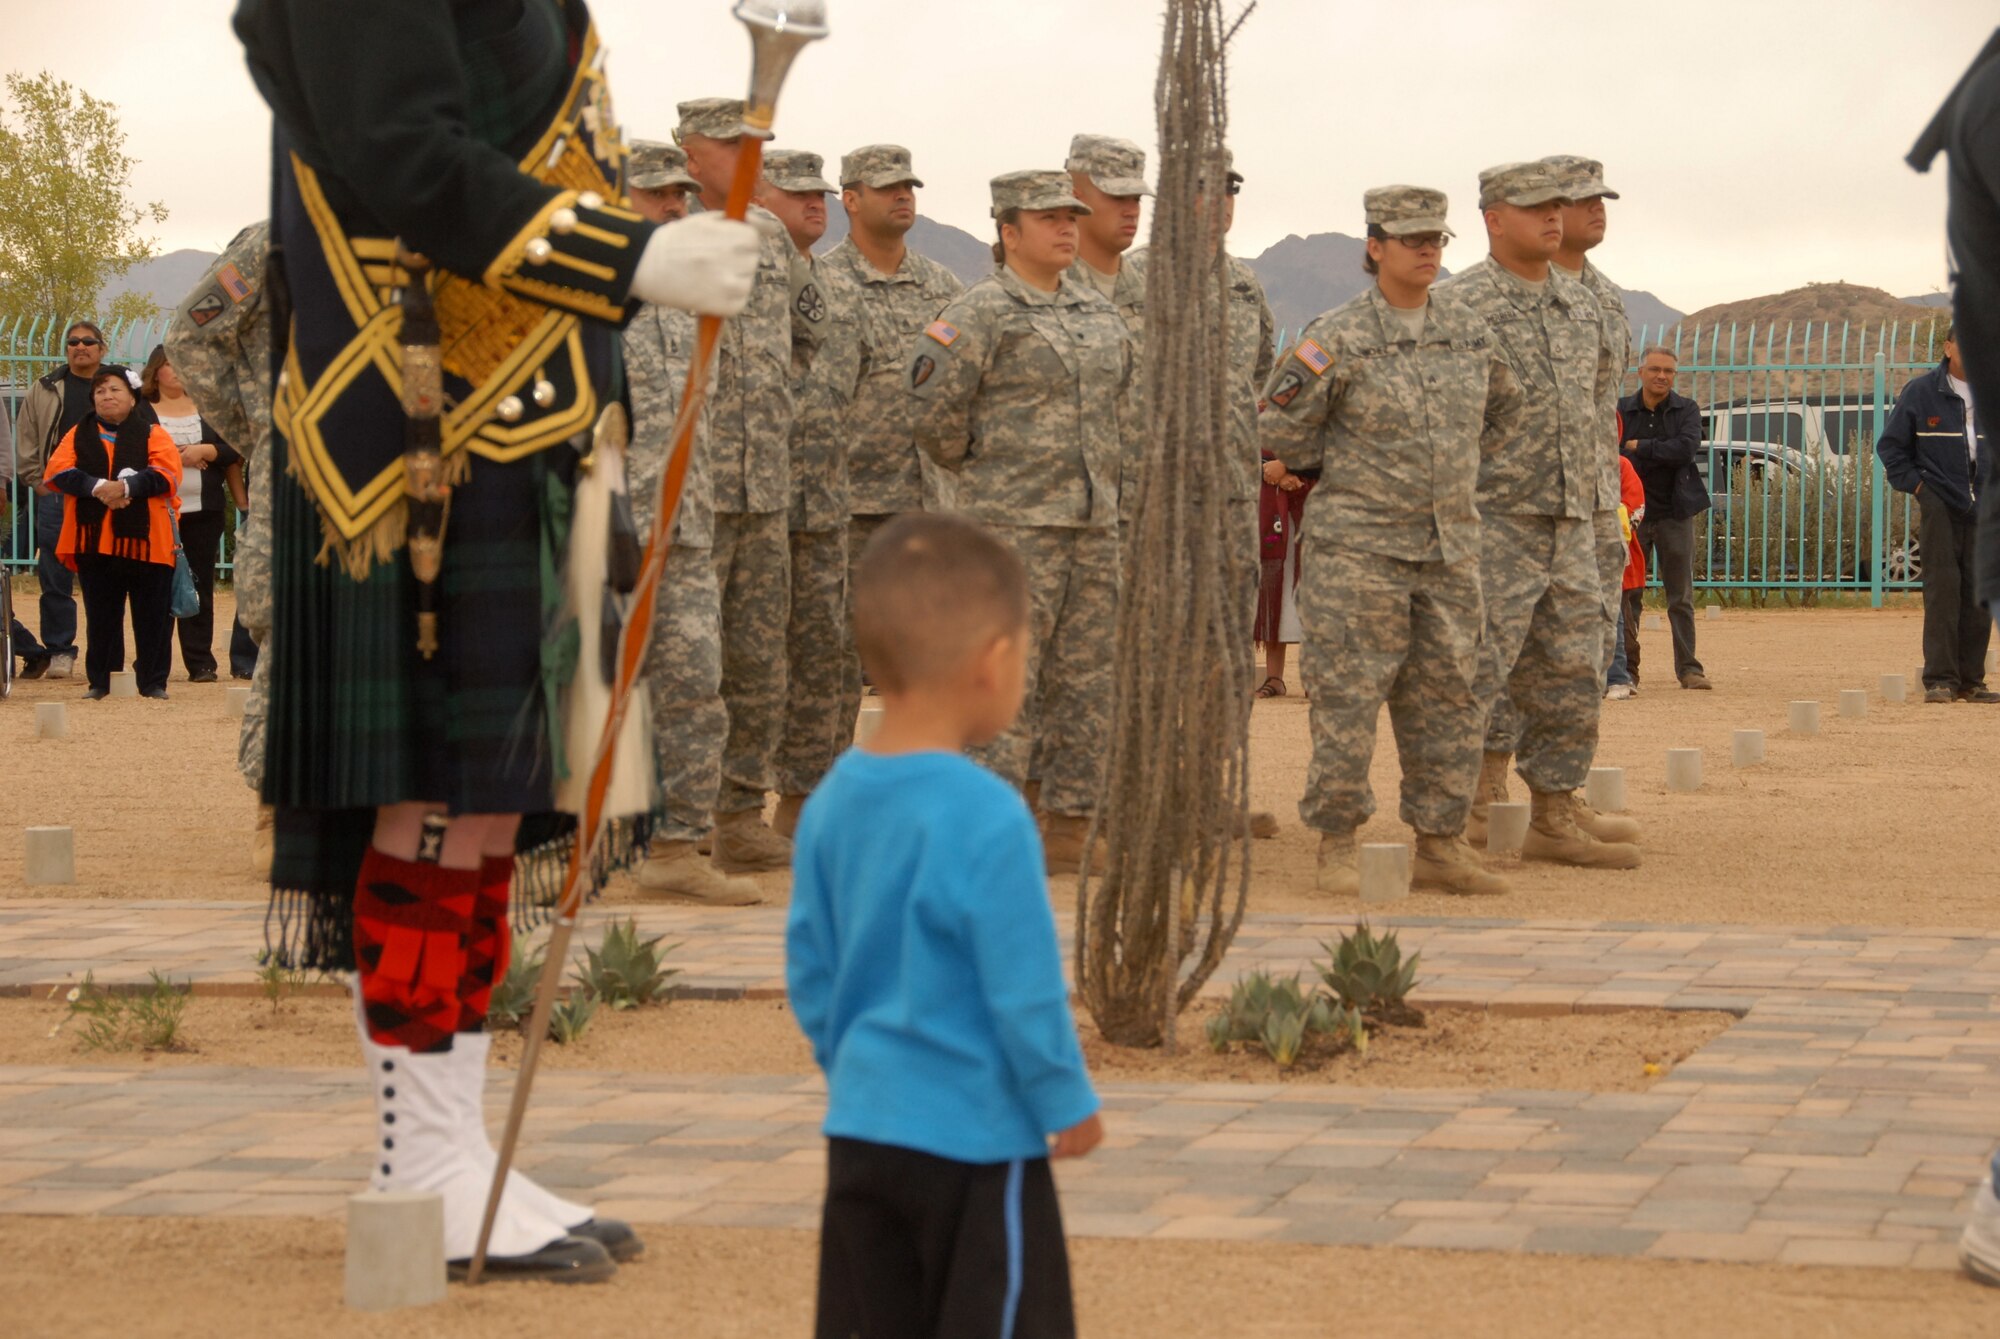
(1881, 507)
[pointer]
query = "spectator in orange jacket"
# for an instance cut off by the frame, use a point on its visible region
(1624, 678)
(119, 475)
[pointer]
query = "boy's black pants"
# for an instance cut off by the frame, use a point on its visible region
(914, 1246)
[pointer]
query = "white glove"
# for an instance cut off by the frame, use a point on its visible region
(703, 264)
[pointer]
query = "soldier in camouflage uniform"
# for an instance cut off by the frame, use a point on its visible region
(893, 293)
(220, 343)
(1109, 175)
(750, 425)
(1395, 396)
(1021, 388)
(1537, 495)
(826, 364)
(683, 669)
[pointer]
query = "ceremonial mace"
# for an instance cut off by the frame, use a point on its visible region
(779, 30)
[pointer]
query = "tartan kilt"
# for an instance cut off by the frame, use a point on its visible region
(359, 719)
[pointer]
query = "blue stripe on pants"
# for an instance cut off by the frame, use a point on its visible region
(1012, 1209)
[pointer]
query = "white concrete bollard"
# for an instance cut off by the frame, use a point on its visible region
(1655, 623)
(51, 720)
(1895, 688)
(1385, 872)
(1805, 718)
(395, 1250)
(1711, 612)
(866, 724)
(124, 683)
(1506, 828)
(235, 701)
(1684, 769)
(51, 856)
(1605, 790)
(1854, 701)
(1747, 749)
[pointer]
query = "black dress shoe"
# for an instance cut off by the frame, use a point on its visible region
(35, 668)
(159, 693)
(614, 1235)
(564, 1260)
(96, 694)
(206, 676)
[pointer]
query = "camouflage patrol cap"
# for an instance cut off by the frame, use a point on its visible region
(1034, 190)
(1522, 184)
(1581, 178)
(655, 166)
(1402, 211)
(878, 165)
(714, 118)
(795, 170)
(1114, 166)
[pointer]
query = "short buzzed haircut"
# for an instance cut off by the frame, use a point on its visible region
(930, 590)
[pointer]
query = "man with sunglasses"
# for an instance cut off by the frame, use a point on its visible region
(1395, 397)
(53, 405)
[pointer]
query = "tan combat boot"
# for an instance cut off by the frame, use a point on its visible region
(1604, 827)
(1554, 836)
(785, 821)
(1450, 866)
(1339, 865)
(676, 870)
(744, 845)
(1491, 788)
(1062, 842)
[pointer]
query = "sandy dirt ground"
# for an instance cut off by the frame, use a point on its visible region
(281, 1279)
(1455, 1049)
(1881, 821)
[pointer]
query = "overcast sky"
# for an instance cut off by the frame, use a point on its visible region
(1757, 143)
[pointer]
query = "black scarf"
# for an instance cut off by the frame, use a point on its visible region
(131, 527)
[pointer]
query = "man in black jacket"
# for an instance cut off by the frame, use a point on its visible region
(1930, 447)
(1662, 433)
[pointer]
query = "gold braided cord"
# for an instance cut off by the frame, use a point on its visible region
(1175, 860)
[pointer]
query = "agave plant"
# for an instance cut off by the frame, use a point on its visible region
(513, 997)
(624, 971)
(1370, 977)
(571, 1016)
(1279, 1015)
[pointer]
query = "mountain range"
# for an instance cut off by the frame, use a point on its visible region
(1303, 276)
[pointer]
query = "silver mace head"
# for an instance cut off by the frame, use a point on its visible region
(779, 30)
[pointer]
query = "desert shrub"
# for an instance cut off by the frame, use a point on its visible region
(1368, 974)
(571, 1016)
(513, 996)
(1279, 1015)
(624, 970)
(144, 1020)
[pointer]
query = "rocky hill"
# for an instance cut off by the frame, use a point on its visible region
(1816, 303)
(166, 279)
(1305, 276)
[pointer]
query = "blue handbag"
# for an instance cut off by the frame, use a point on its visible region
(186, 602)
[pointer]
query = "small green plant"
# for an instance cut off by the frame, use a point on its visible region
(147, 1020)
(1369, 975)
(624, 971)
(280, 983)
(571, 1016)
(514, 994)
(1279, 1015)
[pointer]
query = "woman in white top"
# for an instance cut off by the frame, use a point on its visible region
(211, 476)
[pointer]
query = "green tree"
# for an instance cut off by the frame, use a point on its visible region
(68, 223)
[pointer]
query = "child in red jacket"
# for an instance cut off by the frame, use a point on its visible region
(1624, 676)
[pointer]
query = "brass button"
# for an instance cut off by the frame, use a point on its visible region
(563, 221)
(590, 200)
(539, 251)
(545, 393)
(510, 409)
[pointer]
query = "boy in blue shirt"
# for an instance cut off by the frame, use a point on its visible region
(922, 964)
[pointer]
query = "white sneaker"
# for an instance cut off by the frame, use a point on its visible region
(1979, 1244)
(61, 665)
(1618, 692)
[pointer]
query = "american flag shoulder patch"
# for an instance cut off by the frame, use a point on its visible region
(944, 332)
(232, 282)
(1313, 356)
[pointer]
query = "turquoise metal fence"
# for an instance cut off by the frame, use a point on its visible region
(1790, 415)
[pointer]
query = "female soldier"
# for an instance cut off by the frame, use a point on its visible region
(1020, 388)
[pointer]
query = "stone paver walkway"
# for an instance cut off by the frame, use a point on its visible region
(1846, 1119)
